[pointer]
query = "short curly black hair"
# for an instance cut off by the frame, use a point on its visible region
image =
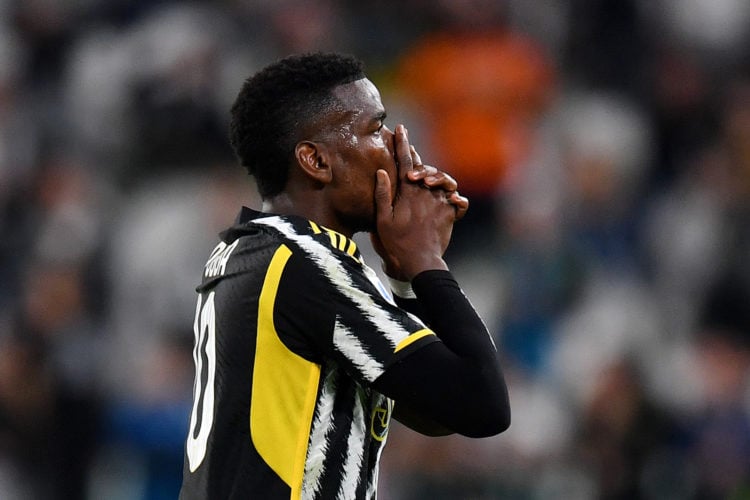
(277, 104)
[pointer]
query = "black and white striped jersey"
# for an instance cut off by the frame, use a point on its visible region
(291, 329)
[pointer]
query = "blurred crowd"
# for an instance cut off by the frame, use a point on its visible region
(605, 147)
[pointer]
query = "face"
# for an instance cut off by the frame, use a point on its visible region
(359, 144)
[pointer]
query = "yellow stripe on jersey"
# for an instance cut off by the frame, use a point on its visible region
(413, 338)
(343, 240)
(333, 234)
(284, 390)
(352, 248)
(338, 240)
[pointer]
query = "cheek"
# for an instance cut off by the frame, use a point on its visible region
(381, 156)
(357, 184)
(366, 185)
(361, 165)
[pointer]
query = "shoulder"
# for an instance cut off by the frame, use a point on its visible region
(316, 242)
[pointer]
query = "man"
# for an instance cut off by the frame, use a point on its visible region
(301, 356)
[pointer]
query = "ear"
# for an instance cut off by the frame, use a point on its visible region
(312, 159)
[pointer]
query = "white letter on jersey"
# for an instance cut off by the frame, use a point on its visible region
(217, 262)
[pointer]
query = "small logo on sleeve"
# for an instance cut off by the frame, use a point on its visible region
(381, 418)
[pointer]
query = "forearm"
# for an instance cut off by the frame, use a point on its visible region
(447, 310)
(458, 382)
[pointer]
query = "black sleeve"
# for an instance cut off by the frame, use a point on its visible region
(456, 383)
(413, 306)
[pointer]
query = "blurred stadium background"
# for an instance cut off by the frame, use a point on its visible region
(605, 145)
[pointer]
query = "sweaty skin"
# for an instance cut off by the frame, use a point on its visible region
(357, 175)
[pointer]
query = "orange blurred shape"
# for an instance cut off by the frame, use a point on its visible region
(481, 93)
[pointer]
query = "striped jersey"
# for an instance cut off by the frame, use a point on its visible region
(291, 328)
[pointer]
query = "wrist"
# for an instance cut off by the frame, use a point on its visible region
(393, 272)
(412, 269)
(401, 289)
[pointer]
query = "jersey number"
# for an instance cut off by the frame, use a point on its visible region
(204, 355)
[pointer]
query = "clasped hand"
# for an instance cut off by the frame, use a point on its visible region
(414, 221)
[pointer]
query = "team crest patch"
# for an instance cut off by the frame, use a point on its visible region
(381, 417)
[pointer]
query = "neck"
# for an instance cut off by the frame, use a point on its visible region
(307, 207)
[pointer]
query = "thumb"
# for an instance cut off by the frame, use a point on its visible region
(383, 199)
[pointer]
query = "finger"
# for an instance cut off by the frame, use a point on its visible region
(403, 151)
(415, 158)
(433, 178)
(460, 203)
(420, 172)
(441, 180)
(383, 198)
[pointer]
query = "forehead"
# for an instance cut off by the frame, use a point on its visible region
(360, 98)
